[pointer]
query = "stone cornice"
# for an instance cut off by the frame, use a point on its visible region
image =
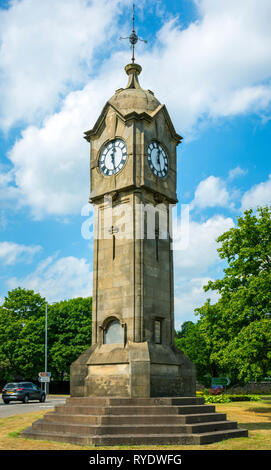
(93, 133)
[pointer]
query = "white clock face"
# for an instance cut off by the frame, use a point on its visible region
(113, 157)
(157, 159)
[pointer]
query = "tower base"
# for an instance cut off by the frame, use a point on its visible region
(98, 421)
(138, 370)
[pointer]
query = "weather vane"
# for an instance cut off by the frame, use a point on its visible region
(133, 38)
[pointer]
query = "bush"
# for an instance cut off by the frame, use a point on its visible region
(245, 397)
(217, 398)
(229, 398)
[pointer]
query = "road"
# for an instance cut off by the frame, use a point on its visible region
(17, 408)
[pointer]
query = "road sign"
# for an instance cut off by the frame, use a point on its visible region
(44, 374)
(44, 379)
(224, 381)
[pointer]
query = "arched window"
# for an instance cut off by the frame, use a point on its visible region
(113, 333)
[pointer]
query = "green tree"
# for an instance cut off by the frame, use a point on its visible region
(249, 353)
(245, 288)
(22, 334)
(184, 328)
(24, 303)
(245, 299)
(192, 342)
(69, 334)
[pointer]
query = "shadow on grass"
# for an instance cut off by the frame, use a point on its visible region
(256, 426)
(261, 409)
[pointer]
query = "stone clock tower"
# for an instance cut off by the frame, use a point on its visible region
(133, 188)
(132, 386)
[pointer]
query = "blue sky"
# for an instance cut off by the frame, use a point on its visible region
(209, 61)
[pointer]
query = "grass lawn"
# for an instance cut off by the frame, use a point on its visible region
(254, 416)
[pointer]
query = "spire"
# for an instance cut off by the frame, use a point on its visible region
(133, 70)
(133, 38)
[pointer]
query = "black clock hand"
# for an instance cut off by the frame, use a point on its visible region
(113, 160)
(113, 157)
(158, 158)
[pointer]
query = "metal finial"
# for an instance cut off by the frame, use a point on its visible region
(133, 38)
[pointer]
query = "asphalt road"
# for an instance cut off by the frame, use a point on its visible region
(16, 408)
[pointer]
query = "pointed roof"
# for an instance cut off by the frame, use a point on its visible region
(133, 97)
(133, 102)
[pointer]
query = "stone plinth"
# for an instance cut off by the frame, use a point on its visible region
(136, 370)
(129, 421)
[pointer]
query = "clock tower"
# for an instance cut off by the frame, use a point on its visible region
(133, 189)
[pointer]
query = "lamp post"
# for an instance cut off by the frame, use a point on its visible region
(46, 386)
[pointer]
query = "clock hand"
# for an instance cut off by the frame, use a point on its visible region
(158, 158)
(113, 157)
(113, 160)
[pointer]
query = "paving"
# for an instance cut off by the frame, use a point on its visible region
(17, 408)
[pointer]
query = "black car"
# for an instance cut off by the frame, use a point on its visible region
(22, 391)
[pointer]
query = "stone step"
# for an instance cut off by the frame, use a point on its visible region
(30, 433)
(209, 437)
(119, 421)
(74, 429)
(54, 417)
(131, 429)
(117, 440)
(106, 401)
(210, 426)
(135, 410)
(151, 439)
(203, 417)
(136, 419)
(170, 439)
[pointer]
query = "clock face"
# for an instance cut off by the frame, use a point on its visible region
(157, 159)
(113, 157)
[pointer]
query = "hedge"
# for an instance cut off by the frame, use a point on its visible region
(229, 398)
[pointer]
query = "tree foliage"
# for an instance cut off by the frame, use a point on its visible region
(22, 334)
(249, 353)
(237, 329)
(192, 342)
(21, 330)
(69, 333)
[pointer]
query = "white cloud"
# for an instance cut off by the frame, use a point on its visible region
(236, 172)
(64, 278)
(9, 193)
(193, 265)
(45, 49)
(51, 164)
(11, 253)
(244, 100)
(190, 295)
(201, 251)
(211, 192)
(258, 195)
(218, 66)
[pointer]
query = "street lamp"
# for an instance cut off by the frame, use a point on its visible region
(46, 385)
